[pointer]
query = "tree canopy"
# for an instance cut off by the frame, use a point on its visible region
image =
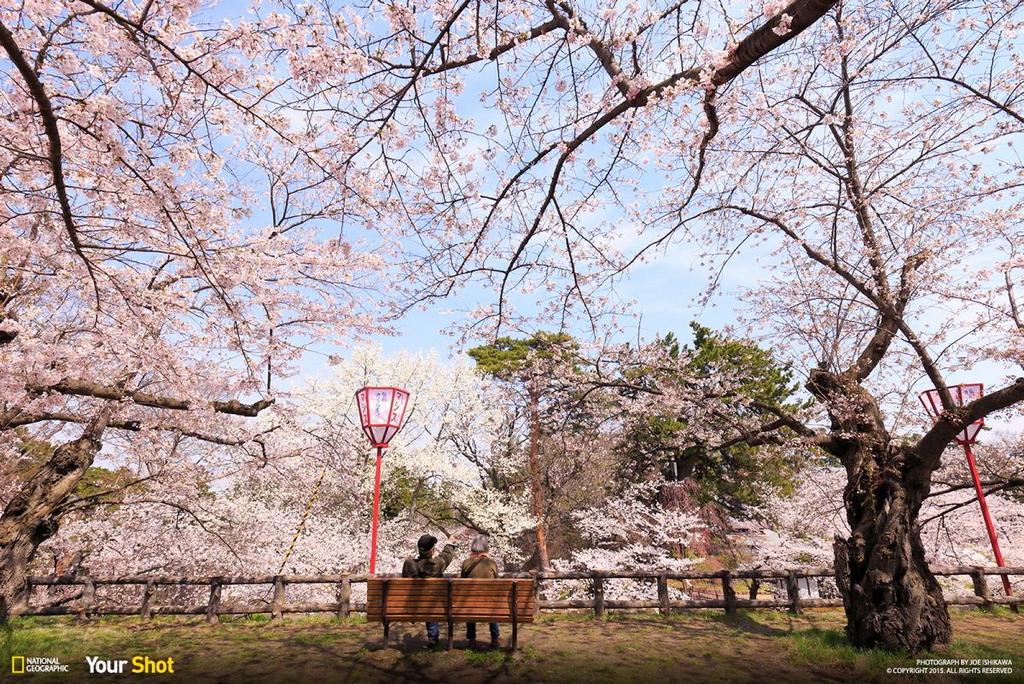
(734, 476)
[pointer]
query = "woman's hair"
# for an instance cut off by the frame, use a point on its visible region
(481, 544)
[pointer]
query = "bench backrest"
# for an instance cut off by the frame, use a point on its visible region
(428, 599)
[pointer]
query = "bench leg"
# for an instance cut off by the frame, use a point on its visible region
(451, 634)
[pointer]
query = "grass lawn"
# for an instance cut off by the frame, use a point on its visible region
(698, 646)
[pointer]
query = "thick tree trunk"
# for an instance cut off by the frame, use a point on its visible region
(31, 517)
(891, 598)
(537, 503)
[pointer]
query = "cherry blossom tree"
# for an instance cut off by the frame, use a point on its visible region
(173, 237)
(457, 445)
(794, 529)
(871, 205)
(631, 530)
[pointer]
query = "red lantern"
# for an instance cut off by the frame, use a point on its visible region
(381, 412)
(961, 396)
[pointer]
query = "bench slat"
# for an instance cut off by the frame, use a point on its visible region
(456, 601)
(473, 610)
(441, 616)
(434, 617)
(434, 608)
(420, 584)
(457, 590)
(503, 607)
(376, 596)
(440, 591)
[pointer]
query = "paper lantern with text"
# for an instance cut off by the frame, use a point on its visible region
(381, 412)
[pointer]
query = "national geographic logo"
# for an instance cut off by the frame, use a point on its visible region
(35, 665)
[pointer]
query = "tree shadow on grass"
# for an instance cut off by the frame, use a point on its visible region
(417, 663)
(745, 623)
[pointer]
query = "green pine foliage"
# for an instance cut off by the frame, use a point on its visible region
(736, 476)
(508, 358)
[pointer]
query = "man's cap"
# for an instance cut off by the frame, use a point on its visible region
(426, 542)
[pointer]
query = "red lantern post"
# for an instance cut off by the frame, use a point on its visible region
(381, 412)
(965, 394)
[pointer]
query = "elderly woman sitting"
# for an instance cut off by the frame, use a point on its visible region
(480, 565)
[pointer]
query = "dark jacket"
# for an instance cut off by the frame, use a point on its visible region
(429, 567)
(479, 565)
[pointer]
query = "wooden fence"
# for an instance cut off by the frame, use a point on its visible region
(86, 603)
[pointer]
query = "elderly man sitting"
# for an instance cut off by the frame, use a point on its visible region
(480, 565)
(427, 565)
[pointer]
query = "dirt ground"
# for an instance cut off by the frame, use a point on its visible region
(698, 646)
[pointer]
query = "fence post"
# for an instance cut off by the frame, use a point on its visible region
(21, 606)
(598, 597)
(755, 585)
(344, 598)
(88, 597)
(981, 587)
(147, 600)
(277, 603)
(728, 593)
(793, 591)
(663, 606)
(214, 605)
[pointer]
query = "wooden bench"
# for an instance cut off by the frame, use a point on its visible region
(450, 600)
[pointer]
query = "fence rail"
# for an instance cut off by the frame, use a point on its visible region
(86, 604)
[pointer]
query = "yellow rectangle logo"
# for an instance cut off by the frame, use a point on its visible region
(17, 664)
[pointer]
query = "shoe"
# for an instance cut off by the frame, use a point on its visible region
(431, 645)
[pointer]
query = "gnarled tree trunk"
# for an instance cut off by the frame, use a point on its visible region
(891, 598)
(31, 517)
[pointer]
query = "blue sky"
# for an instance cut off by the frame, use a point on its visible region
(664, 293)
